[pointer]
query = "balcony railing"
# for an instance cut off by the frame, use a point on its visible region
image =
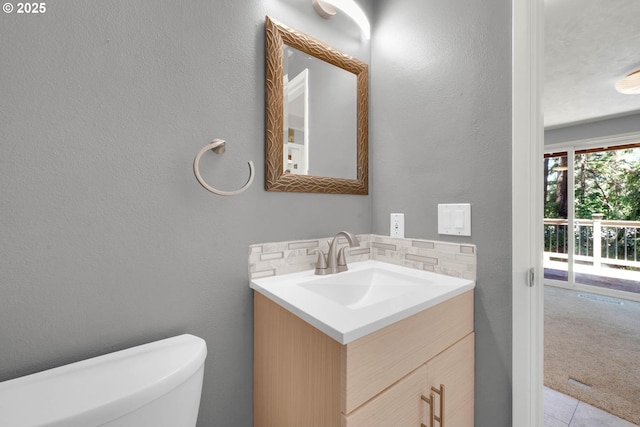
(597, 242)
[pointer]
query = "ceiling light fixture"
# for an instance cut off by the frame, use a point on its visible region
(328, 8)
(629, 85)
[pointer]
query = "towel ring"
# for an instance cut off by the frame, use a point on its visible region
(218, 146)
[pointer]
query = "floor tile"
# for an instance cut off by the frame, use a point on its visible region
(552, 422)
(559, 406)
(589, 416)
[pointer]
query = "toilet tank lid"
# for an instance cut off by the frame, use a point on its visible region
(101, 388)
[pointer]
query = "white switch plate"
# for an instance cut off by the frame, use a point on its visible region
(397, 225)
(454, 219)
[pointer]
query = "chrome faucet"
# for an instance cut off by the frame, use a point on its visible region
(335, 262)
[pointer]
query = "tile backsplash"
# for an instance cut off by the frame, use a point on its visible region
(274, 259)
(451, 259)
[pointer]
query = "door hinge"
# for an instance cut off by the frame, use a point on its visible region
(532, 276)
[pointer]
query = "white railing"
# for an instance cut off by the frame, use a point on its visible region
(597, 241)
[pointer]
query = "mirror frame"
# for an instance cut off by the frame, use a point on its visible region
(276, 36)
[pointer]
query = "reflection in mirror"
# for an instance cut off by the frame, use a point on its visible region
(317, 115)
(320, 114)
(296, 122)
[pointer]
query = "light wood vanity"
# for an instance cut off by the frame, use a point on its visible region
(417, 372)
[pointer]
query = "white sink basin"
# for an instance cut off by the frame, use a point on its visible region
(370, 296)
(361, 288)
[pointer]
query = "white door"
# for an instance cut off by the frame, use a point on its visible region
(527, 143)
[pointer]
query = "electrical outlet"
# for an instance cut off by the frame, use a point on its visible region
(397, 225)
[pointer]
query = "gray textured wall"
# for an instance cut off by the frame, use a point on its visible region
(600, 128)
(441, 133)
(108, 241)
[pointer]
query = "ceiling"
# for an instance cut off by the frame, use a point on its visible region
(589, 45)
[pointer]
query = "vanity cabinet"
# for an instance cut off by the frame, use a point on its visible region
(302, 377)
(441, 389)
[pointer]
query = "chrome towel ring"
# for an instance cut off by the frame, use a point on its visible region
(218, 146)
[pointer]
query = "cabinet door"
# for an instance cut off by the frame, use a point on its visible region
(377, 361)
(451, 373)
(401, 405)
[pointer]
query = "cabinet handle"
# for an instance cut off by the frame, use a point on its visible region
(429, 401)
(440, 391)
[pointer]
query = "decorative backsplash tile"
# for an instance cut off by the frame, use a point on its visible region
(451, 259)
(274, 259)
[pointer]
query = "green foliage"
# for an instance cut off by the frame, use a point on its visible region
(607, 182)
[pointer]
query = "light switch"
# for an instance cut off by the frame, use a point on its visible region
(458, 218)
(454, 219)
(445, 218)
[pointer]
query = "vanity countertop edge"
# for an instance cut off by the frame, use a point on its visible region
(344, 324)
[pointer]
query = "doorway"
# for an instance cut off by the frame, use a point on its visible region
(592, 283)
(527, 207)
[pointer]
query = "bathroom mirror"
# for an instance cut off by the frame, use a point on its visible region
(316, 115)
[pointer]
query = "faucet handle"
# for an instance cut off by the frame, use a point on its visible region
(321, 264)
(342, 261)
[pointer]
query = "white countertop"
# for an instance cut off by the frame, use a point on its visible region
(348, 322)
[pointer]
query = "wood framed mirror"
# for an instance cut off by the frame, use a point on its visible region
(323, 147)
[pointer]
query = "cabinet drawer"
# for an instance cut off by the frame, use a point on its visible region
(376, 361)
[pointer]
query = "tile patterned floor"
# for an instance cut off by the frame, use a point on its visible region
(561, 410)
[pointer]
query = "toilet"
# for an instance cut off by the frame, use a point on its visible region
(157, 385)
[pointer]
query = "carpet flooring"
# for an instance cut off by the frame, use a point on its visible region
(592, 350)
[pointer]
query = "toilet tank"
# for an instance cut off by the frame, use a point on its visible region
(157, 385)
